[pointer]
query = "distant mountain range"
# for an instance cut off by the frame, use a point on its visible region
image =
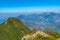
(42, 21)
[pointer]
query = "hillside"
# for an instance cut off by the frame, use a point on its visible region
(41, 35)
(12, 29)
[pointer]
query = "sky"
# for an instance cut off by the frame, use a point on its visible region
(19, 6)
(29, 5)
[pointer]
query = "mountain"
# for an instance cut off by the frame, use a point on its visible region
(12, 29)
(42, 21)
(41, 35)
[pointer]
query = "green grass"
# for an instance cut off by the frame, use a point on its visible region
(12, 29)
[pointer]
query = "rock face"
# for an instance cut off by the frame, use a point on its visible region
(39, 35)
(12, 29)
(58, 39)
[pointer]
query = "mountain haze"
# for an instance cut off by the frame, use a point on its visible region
(42, 21)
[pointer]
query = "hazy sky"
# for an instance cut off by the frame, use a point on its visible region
(18, 6)
(29, 5)
(29, 9)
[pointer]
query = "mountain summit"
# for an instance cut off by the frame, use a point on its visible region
(12, 29)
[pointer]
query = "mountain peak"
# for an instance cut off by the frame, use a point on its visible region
(11, 18)
(14, 29)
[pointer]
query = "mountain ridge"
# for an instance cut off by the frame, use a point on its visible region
(12, 29)
(43, 21)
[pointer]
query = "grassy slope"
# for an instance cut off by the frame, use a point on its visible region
(12, 29)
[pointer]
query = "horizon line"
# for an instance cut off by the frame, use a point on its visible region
(30, 9)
